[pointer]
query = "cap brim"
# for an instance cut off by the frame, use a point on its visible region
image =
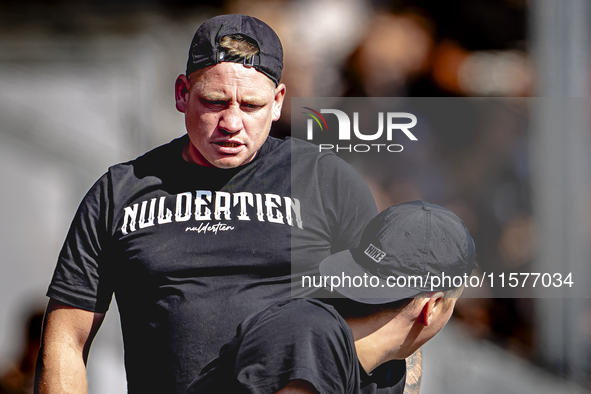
(362, 286)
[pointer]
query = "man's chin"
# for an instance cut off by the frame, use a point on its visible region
(225, 165)
(230, 162)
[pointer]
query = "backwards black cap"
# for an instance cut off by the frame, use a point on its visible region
(206, 51)
(414, 241)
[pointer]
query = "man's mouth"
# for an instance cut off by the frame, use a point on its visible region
(228, 144)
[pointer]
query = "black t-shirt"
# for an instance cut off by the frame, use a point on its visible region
(190, 251)
(295, 339)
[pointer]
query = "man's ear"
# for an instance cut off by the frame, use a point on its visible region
(181, 92)
(429, 308)
(278, 103)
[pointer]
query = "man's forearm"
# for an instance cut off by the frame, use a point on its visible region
(67, 335)
(60, 369)
(414, 372)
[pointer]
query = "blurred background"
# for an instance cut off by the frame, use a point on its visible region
(86, 84)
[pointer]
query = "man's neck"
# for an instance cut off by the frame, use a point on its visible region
(192, 155)
(379, 339)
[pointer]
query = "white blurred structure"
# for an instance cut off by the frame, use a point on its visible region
(561, 179)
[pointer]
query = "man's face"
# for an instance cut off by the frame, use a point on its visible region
(228, 111)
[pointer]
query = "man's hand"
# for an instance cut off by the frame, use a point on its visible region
(414, 373)
(67, 335)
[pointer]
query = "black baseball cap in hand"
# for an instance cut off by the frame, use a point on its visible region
(206, 51)
(410, 240)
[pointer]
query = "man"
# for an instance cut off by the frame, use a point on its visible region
(306, 346)
(198, 233)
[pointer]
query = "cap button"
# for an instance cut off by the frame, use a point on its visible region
(426, 208)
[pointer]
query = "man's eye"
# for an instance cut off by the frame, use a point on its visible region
(250, 106)
(214, 102)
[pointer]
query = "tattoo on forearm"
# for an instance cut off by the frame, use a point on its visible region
(414, 372)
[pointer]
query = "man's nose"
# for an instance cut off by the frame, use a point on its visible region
(231, 120)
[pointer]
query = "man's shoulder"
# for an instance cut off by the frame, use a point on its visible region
(298, 339)
(156, 163)
(300, 314)
(295, 339)
(153, 156)
(300, 148)
(306, 155)
(312, 306)
(296, 146)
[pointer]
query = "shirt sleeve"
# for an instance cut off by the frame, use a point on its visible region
(81, 276)
(348, 202)
(293, 343)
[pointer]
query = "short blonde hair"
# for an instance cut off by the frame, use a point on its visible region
(239, 45)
